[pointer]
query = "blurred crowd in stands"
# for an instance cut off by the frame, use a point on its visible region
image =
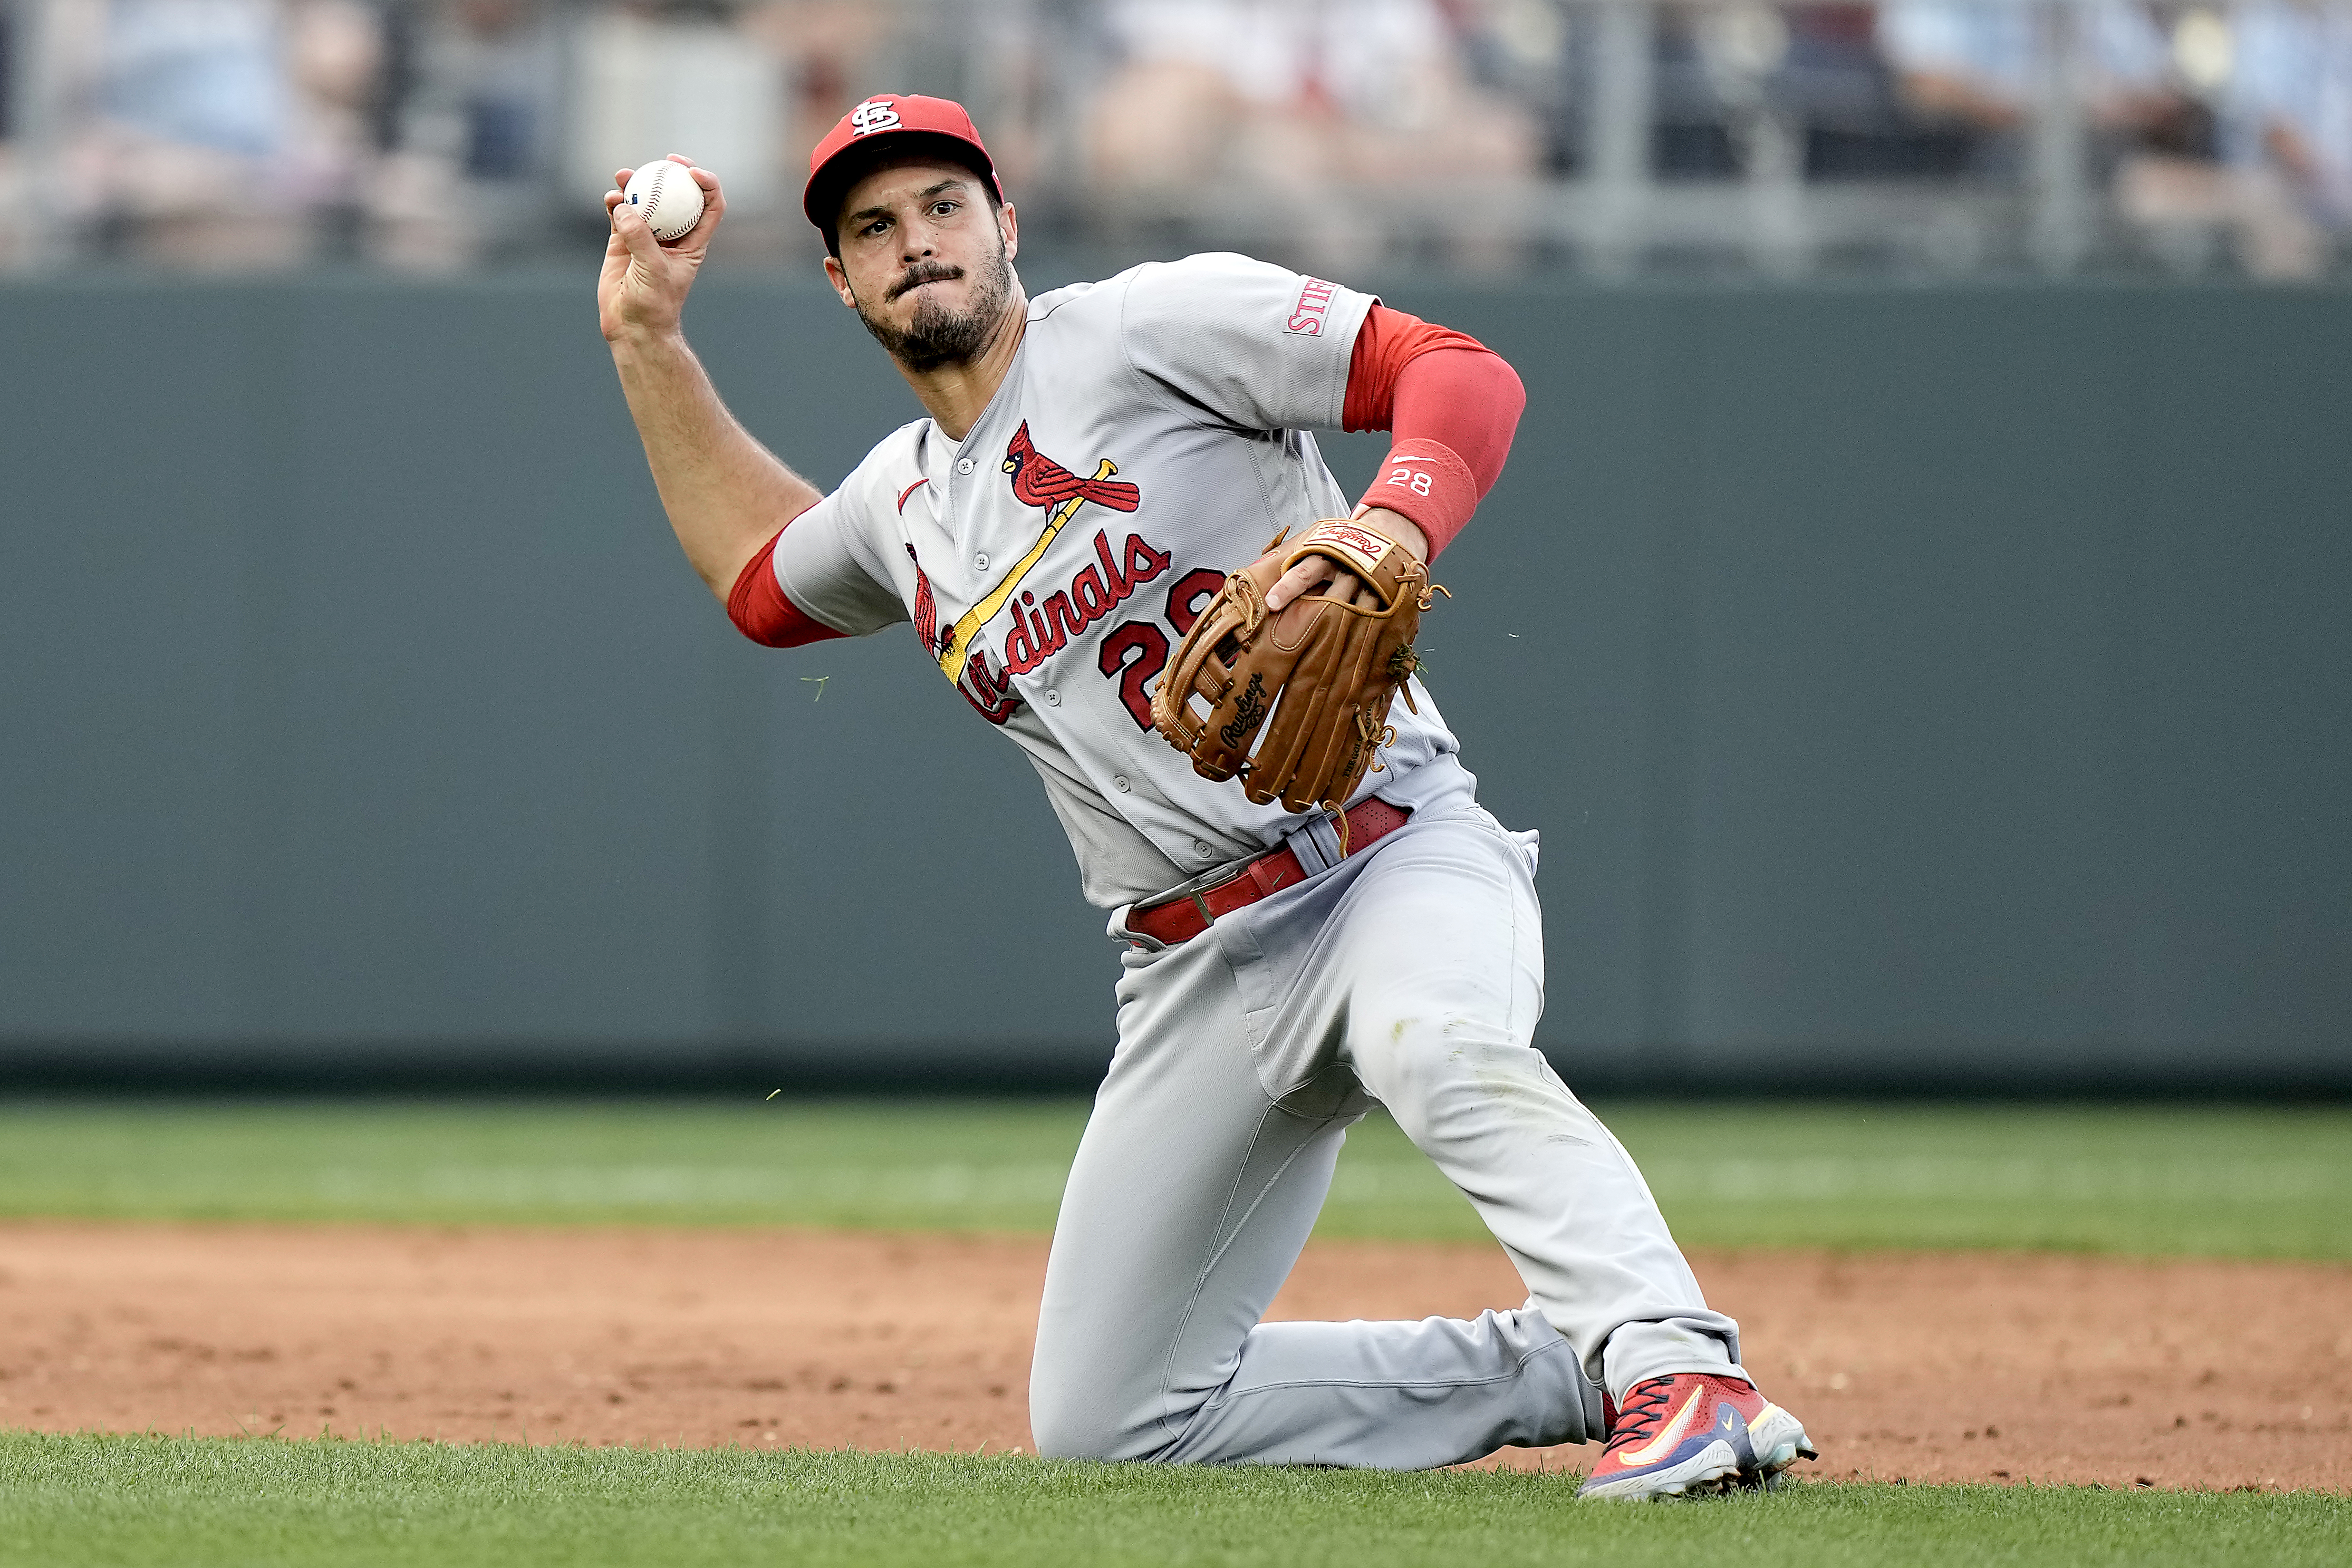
(1618, 137)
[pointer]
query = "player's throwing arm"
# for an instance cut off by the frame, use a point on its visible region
(724, 492)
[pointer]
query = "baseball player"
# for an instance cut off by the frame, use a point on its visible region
(1089, 467)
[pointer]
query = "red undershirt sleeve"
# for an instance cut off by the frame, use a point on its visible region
(760, 612)
(1452, 404)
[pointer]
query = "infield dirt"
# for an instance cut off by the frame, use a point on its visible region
(1955, 1366)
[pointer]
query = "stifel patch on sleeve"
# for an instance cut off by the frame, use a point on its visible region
(1314, 304)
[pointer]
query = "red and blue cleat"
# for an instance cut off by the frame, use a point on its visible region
(1694, 1432)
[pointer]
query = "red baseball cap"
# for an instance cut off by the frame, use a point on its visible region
(889, 117)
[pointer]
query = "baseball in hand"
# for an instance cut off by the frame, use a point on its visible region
(667, 197)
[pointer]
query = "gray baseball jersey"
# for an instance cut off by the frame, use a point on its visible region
(1149, 438)
(1146, 439)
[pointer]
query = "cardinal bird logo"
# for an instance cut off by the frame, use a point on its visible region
(1039, 481)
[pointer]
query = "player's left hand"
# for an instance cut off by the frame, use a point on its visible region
(1322, 572)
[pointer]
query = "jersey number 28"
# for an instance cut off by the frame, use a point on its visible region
(1133, 652)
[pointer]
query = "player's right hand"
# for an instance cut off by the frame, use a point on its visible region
(643, 286)
(1318, 571)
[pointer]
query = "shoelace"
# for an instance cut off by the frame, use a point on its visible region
(1641, 1413)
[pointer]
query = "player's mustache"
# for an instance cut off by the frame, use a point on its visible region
(923, 272)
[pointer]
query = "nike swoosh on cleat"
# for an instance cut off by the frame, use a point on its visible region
(1663, 1443)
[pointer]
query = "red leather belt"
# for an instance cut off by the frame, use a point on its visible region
(1185, 916)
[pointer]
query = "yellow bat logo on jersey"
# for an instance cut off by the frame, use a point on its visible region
(1040, 481)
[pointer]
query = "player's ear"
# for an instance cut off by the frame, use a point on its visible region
(1009, 226)
(840, 281)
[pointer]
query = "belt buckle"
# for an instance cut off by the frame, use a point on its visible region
(1193, 889)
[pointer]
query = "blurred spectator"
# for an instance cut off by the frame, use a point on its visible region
(1537, 52)
(1971, 65)
(491, 69)
(1858, 123)
(204, 133)
(649, 80)
(336, 63)
(1981, 65)
(186, 152)
(197, 73)
(517, 113)
(1697, 74)
(1296, 101)
(469, 172)
(1730, 74)
(2290, 99)
(2271, 87)
(827, 50)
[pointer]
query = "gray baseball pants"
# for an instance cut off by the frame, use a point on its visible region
(1411, 974)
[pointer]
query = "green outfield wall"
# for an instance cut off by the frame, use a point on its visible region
(1911, 685)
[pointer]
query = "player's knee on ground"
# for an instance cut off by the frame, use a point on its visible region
(1074, 1415)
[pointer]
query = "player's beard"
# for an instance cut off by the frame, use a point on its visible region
(938, 335)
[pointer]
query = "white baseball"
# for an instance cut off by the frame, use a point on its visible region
(667, 197)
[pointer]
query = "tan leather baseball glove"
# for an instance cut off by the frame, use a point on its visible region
(1297, 703)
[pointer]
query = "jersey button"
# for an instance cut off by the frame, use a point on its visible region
(964, 464)
(1118, 782)
(1201, 846)
(1053, 697)
(980, 561)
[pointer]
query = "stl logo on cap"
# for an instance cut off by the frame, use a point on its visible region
(875, 114)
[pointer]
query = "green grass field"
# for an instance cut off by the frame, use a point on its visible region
(2231, 1182)
(2240, 1182)
(259, 1504)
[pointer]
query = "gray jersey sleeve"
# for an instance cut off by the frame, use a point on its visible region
(826, 562)
(1255, 345)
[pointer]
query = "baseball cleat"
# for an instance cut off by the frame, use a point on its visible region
(1776, 1440)
(1693, 1433)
